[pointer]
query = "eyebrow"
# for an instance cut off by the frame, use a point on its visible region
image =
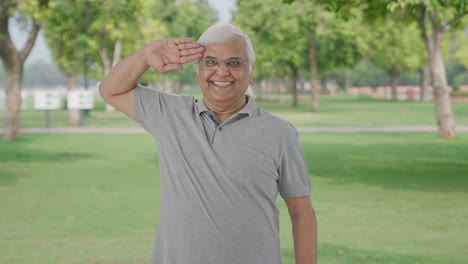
(232, 58)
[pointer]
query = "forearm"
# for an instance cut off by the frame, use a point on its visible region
(125, 75)
(305, 237)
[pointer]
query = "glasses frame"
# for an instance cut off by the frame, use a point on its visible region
(225, 62)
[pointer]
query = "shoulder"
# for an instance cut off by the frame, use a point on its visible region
(273, 125)
(154, 96)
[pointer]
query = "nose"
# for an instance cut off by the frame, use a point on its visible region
(222, 69)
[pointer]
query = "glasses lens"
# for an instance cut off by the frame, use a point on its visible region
(234, 63)
(211, 63)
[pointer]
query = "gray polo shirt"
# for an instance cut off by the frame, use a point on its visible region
(219, 182)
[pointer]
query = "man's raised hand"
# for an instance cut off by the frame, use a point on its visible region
(169, 54)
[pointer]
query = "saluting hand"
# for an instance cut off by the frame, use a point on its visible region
(169, 54)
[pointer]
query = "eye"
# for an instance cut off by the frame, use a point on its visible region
(234, 63)
(211, 62)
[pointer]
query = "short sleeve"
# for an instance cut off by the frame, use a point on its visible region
(293, 172)
(154, 108)
(145, 101)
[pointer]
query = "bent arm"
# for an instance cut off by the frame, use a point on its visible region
(304, 225)
(164, 55)
(117, 88)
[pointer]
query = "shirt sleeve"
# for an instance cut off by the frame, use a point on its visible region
(293, 172)
(154, 108)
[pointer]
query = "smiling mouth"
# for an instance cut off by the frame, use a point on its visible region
(221, 83)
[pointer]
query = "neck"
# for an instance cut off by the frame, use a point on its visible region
(224, 111)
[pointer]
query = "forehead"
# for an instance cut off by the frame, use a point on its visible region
(233, 48)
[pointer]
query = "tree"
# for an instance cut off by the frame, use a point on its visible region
(335, 42)
(75, 29)
(302, 35)
(461, 49)
(434, 19)
(272, 27)
(395, 47)
(64, 30)
(31, 13)
(110, 24)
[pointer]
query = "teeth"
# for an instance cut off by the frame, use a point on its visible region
(222, 83)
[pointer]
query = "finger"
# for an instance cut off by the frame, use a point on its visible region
(187, 46)
(190, 58)
(192, 51)
(171, 67)
(182, 40)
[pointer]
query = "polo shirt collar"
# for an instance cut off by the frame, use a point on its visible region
(248, 109)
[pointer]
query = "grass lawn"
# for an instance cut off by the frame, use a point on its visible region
(335, 111)
(379, 198)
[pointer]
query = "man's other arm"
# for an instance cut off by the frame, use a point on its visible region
(304, 226)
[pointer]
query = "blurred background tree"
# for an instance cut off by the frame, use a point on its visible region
(30, 14)
(309, 46)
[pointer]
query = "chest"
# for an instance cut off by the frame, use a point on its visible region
(237, 152)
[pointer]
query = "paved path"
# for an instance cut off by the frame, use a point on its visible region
(136, 130)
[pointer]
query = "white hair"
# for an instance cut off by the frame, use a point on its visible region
(221, 33)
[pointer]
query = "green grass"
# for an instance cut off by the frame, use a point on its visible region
(379, 198)
(335, 111)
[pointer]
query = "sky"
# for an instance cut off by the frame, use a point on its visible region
(41, 52)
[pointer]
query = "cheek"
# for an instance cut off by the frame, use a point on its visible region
(203, 76)
(245, 78)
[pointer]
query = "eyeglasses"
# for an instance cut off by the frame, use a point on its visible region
(213, 63)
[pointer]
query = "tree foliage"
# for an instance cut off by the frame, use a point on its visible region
(397, 48)
(300, 34)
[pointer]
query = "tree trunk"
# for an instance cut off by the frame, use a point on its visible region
(348, 79)
(281, 89)
(323, 87)
(264, 87)
(107, 65)
(393, 79)
(293, 82)
(12, 110)
(315, 89)
(443, 105)
(115, 60)
(117, 52)
(73, 114)
(275, 87)
(13, 62)
(425, 82)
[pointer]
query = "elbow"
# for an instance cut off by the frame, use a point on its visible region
(306, 213)
(103, 92)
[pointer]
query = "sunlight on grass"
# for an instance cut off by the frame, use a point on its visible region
(379, 198)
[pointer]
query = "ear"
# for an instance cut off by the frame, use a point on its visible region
(253, 67)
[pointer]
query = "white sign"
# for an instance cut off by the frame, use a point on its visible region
(80, 99)
(47, 100)
(24, 99)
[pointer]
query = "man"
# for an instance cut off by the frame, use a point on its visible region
(223, 160)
